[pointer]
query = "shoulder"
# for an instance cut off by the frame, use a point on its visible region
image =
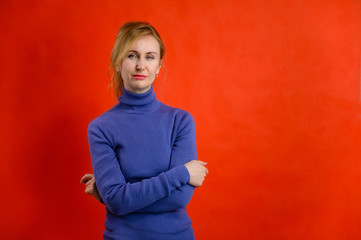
(178, 114)
(103, 120)
(183, 120)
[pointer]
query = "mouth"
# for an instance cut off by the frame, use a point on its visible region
(139, 77)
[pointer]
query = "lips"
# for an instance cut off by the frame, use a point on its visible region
(139, 77)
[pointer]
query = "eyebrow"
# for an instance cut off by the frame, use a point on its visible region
(146, 52)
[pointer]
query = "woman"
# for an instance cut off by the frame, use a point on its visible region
(142, 150)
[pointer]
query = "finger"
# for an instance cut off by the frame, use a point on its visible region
(86, 178)
(83, 180)
(202, 163)
(88, 191)
(204, 169)
(90, 183)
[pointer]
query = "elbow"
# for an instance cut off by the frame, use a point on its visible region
(115, 209)
(117, 204)
(181, 204)
(184, 196)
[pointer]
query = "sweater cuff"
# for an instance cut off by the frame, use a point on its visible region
(178, 176)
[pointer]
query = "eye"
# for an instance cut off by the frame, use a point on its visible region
(132, 55)
(150, 57)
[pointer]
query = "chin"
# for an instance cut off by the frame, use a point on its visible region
(141, 88)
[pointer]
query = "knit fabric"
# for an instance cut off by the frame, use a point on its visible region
(138, 151)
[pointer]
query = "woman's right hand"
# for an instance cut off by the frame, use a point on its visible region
(197, 172)
(90, 186)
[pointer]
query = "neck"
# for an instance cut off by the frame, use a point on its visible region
(142, 102)
(139, 91)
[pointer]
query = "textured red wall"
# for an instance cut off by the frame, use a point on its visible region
(274, 87)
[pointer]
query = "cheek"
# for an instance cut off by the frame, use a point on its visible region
(156, 69)
(125, 68)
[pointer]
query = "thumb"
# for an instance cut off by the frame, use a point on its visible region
(86, 178)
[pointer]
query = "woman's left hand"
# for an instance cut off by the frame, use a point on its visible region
(91, 187)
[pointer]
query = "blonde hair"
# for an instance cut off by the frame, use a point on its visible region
(126, 36)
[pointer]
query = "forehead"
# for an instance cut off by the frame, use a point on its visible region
(146, 44)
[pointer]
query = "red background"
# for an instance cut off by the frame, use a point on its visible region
(274, 87)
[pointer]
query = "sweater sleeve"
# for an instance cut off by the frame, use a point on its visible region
(119, 196)
(184, 150)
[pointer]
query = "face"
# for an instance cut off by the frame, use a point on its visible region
(140, 65)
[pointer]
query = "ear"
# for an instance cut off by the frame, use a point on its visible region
(160, 65)
(117, 67)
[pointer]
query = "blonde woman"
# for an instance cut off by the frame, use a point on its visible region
(143, 152)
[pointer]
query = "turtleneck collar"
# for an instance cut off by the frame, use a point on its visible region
(133, 102)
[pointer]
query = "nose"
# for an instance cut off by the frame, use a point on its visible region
(140, 65)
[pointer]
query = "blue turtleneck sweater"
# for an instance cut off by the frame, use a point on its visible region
(138, 151)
